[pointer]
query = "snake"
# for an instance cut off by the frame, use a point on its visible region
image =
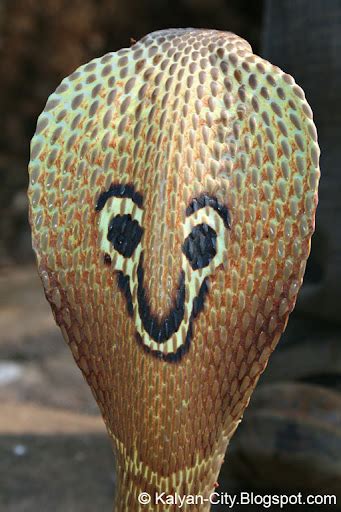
(173, 186)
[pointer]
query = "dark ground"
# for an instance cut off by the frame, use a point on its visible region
(54, 451)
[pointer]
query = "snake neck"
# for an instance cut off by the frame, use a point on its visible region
(140, 488)
(134, 495)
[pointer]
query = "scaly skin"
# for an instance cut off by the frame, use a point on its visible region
(172, 323)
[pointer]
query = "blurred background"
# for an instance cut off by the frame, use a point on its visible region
(54, 453)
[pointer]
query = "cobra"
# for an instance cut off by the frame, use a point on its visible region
(173, 188)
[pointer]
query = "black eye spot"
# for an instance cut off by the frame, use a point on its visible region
(200, 246)
(125, 234)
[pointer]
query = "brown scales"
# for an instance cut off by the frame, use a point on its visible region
(179, 114)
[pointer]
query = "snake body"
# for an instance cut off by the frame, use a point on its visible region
(173, 188)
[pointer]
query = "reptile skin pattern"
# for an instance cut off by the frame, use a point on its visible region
(173, 189)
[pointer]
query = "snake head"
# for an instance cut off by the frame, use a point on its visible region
(173, 188)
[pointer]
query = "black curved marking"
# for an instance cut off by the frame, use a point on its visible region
(205, 200)
(199, 301)
(160, 331)
(123, 282)
(175, 357)
(121, 191)
(200, 246)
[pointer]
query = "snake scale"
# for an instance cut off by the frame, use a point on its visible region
(173, 189)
